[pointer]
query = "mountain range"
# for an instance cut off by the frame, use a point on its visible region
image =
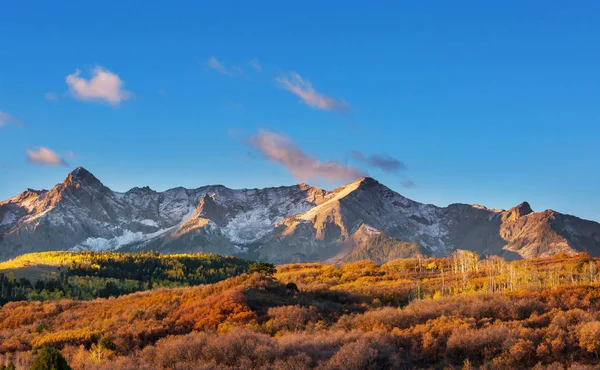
(363, 219)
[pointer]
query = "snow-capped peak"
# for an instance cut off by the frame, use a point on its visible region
(280, 224)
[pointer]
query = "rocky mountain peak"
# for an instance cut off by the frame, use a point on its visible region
(27, 196)
(305, 187)
(209, 209)
(519, 211)
(141, 190)
(33, 191)
(28, 193)
(366, 182)
(81, 176)
(369, 187)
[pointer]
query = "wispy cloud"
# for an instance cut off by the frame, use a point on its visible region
(382, 161)
(256, 65)
(280, 149)
(6, 118)
(407, 183)
(302, 88)
(51, 96)
(214, 64)
(104, 86)
(46, 157)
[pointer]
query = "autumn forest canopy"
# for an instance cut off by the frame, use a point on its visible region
(204, 311)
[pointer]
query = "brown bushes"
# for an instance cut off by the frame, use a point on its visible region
(255, 322)
(290, 318)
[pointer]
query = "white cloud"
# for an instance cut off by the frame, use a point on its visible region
(280, 149)
(214, 64)
(6, 118)
(46, 157)
(104, 85)
(302, 88)
(256, 65)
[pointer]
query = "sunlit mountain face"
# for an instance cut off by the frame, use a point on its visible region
(283, 224)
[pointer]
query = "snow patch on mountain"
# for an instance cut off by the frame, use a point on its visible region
(249, 226)
(128, 237)
(344, 191)
(260, 216)
(37, 216)
(9, 219)
(149, 222)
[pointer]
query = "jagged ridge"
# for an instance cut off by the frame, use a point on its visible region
(283, 224)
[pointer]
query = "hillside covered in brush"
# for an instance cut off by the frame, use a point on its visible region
(456, 312)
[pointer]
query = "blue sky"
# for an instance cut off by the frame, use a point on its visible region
(470, 102)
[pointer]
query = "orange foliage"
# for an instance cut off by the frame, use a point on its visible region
(354, 316)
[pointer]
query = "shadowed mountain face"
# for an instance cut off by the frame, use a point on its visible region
(284, 224)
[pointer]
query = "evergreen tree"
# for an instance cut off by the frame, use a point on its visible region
(263, 268)
(49, 358)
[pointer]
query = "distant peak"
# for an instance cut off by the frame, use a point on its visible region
(34, 191)
(80, 172)
(519, 211)
(28, 193)
(524, 208)
(368, 181)
(306, 187)
(363, 184)
(143, 188)
(82, 176)
(484, 208)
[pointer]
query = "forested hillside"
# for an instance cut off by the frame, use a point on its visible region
(456, 312)
(88, 275)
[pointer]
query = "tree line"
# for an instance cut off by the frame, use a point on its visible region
(89, 275)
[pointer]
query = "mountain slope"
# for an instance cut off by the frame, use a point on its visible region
(82, 213)
(284, 224)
